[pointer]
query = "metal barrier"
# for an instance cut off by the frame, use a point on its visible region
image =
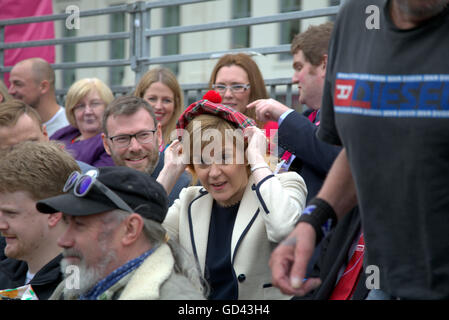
(139, 45)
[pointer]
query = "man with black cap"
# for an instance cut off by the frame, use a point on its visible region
(115, 241)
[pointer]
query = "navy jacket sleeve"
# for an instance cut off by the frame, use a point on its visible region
(298, 136)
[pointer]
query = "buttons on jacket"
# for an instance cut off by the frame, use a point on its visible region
(241, 277)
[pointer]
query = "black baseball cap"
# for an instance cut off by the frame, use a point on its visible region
(141, 192)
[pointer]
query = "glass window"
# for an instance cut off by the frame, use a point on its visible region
(240, 36)
(68, 55)
(290, 28)
(170, 43)
(117, 48)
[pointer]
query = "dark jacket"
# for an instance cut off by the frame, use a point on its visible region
(13, 274)
(2, 248)
(313, 157)
(334, 255)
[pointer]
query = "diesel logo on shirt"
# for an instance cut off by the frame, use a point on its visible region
(397, 95)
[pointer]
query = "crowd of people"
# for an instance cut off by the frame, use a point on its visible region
(150, 199)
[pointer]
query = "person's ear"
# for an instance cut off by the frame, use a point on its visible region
(105, 144)
(54, 218)
(133, 226)
(44, 86)
(159, 134)
(323, 65)
(45, 133)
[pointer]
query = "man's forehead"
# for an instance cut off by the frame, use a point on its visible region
(299, 58)
(14, 199)
(92, 219)
(22, 70)
(67, 217)
(26, 129)
(124, 122)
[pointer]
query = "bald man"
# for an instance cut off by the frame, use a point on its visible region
(33, 81)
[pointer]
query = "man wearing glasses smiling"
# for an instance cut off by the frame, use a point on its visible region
(131, 136)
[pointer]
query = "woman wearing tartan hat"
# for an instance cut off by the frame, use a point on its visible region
(233, 220)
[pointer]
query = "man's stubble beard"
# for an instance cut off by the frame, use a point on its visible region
(153, 159)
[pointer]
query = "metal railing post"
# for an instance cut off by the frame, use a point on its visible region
(136, 27)
(146, 23)
(2, 51)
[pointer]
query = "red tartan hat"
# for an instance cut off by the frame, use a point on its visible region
(205, 106)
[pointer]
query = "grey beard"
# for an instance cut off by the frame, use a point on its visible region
(88, 276)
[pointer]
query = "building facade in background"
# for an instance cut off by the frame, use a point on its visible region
(265, 35)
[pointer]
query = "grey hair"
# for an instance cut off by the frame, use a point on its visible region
(156, 235)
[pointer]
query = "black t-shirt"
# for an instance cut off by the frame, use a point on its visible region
(219, 271)
(386, 100)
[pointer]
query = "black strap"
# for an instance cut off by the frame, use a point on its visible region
(321, 216)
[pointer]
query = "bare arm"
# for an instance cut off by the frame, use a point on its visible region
(257, 149)
(289, 260)
(173, 166)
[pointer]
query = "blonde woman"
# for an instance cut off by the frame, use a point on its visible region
(161, 89)
(85, 103)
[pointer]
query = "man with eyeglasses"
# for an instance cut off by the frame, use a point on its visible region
(131, 136)
(115, 244)
(29, 172)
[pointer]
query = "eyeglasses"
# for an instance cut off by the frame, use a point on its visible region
(82, 184)
(235, 88)
(123, 140)
(92, 104)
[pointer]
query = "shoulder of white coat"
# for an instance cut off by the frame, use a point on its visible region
(191, 193)
(289, 175)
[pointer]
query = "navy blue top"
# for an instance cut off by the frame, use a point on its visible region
(314, 157)
(219, 271)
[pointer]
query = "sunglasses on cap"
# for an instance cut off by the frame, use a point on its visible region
(82, 184)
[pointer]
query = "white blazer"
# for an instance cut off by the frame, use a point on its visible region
(267, 213)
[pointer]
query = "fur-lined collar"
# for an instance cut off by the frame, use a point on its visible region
(146, 281)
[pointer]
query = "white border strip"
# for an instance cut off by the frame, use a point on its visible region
(394, 78)
(394, 113)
